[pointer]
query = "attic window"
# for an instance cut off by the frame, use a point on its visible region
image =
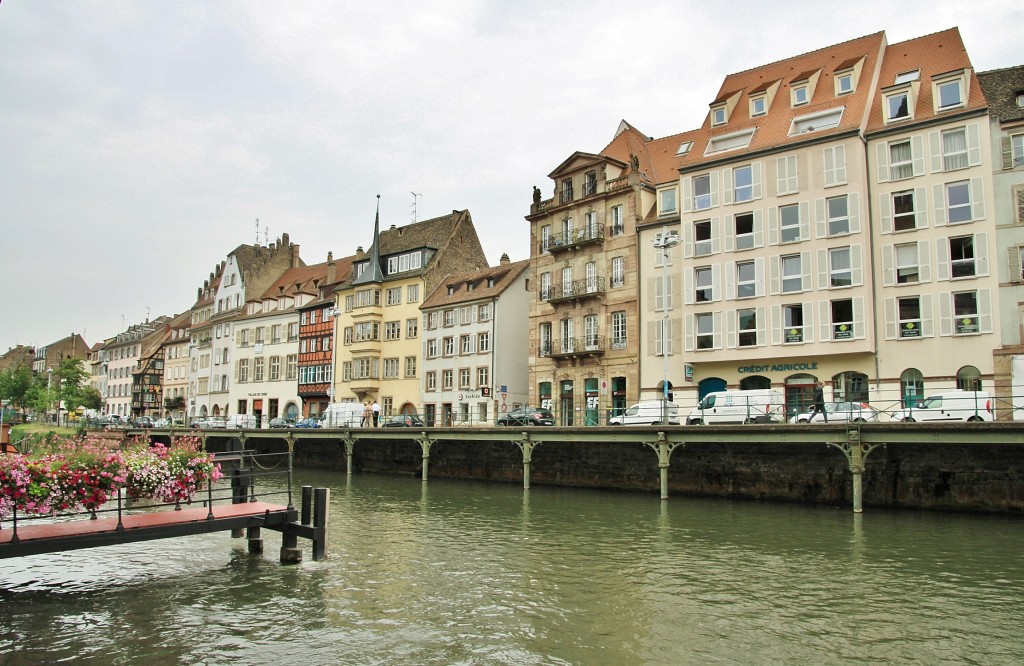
(758, 105)
(685, 146)
(800, 94)
(844, 82)
(718, 116)
(816, 122)
(1020, 99)
(907, 77)
(451, 290)
(729, 142)
(490, 282)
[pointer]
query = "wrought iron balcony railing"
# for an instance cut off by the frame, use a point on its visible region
(585, 288)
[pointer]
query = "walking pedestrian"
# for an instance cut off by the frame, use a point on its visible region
(367, 415)
(376, 413)
(819, 402)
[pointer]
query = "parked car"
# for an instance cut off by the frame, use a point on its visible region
(649, 412)
(527, 416)
(404, 421)
(144, 422)
(840, 412)
(212, 422)
(282, 422)
(162, 423)
(308, 422)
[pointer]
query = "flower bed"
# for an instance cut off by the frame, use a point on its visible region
(83, 474)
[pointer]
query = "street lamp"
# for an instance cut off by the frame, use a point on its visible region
(665, 241)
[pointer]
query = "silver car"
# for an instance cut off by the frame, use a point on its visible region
(840, 412)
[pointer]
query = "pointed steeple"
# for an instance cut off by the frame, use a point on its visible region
(373, 272)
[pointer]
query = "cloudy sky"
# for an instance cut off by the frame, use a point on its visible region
(140, 142)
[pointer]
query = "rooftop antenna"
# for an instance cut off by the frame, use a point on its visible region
(266, 235)
(122, 322)
(414, 195)
(257, 231)
(147, 314)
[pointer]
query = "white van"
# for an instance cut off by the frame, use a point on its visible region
(751, 406)
(651, 412)
(236, 421)
(343, 415)
(950, 406)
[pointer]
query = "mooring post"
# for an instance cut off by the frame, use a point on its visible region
(425, 444)
(664, 449)
(321, 502)
(239, 494)
(307, 504)
(255, 539)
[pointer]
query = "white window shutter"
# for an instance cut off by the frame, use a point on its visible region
(762, 326)
(840, 162)
(853, 207)
(859, 327)
(688, 240)
(1006, 143)
(981, 253)
(687, 194)
(773, 226)
(824, 321)
(882, 157)
(942, 259)
(688, 296)
(805, 267)
(781, 180)
(828, 157)
(730, 233)
(945, 314)
(1014, 264)
(716, 282)
(985, 310)
(822, 269)
(759, 276)
(727, 186)
(891, 317)
(717, 337)
(756, 180)
(820, 223)
(927, 320)
(776, 324)
(730, 280)
(974, 144)
(935, 149)
(977, 199)
(805, 220)
(713, 178)
(758, 228)
(689, 334)
(921, 208)
(730, 329)
(888, 265)
(917, 149)
(808, 308)
(716, 235)
(774, 275)
(885, 212)
(924, 261)
(857, 264)
(939, 196)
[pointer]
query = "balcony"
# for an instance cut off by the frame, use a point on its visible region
(572, 239)
(578, 347)
(577, 290)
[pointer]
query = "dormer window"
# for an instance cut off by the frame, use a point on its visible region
(897, 106)
(949, 94)
(800, 94)
(907, 77)
(844, 83)
(729, 142)
(816, 121)
(758, 105)
(684, 148)
(667, 202)
(1020, 99)
(718, 116)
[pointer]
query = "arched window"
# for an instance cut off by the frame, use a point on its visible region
(911, 387)
(291, 411)
(755, 382)
(968, 378)
(710, 385)
(850, 386)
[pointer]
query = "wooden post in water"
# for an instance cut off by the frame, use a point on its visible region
(321, 501)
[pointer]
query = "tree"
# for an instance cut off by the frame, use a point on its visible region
(69, 379)
(14, 384)
(90, 398)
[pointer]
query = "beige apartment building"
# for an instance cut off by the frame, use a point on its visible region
(175, 355)
(378, 350)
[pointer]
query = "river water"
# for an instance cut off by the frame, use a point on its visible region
(454, 572)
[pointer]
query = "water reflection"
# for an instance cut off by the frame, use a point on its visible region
(462, 572)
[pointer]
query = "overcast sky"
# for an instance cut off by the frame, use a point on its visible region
(141, 141)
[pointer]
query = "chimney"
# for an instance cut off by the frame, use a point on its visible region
(504, 261)
(332, 271)
(295, 261)
(360, 253)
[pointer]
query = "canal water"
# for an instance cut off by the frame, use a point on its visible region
(454, 572)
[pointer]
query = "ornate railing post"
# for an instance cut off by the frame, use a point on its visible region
(526, 446)
(856, 453)
(664, 449)
(425, 444)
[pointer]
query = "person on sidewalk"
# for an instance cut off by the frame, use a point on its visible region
(819, 403)
(367, 415)
(376, 413)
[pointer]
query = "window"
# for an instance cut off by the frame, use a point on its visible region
(729, 142)
(412, 327)
(243, 370)
(842, 319)
(838, 216)
(909, 309)
(817, 121)
(961, 256)
(844, 83)
(684, 148)
(257, 369)
(467, 344)
(590, 224)
(618, 330)
(907, 77)
(965, 312)
(746, 279)
(800, 94)
(1017, 149)
(840, 270)
(591, 332)
(566, 194)
(483, 342)
(393, 296)
(484, 312)
(702, 238)
(834, 158)
(618, 272)
(744, 231)
(432, 348)
(789, 223)
(793, 323)
(392, 330)
(717, 116)
(903, 218)
(291, 367)
(743, 184)
(449, 317)
(908, 269)
(483, 376)
(702, 192)
(413, 294)
(544, 338)
(758, 105)
(446, 380)
(275, 368)
(704, 284)
(901, 160)
(367, 330)
(787, 180)
(589, 183)
(954, 149)
(958, 202)
(618, 221)
(431, 381)
(747, 327)
(667, 202)
(897, 106)
(792, 274)
(391, 368)
(949, 94)
(545, 237)
(705, 331)
(449, 346)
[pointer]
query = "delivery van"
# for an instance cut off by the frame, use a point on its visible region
(949, 406)
(751, 406)
(651, 412)
(343, 415)
(236, 421)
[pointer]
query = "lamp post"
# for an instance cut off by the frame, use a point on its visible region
(665, 241)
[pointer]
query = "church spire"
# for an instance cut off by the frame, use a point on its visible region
(373, 272)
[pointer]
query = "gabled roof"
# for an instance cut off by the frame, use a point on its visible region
(501, 276)
(1001, 87)
(299, 280)
(935, 54)
(656, 158)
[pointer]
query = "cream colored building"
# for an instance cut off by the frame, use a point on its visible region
(176, 367)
